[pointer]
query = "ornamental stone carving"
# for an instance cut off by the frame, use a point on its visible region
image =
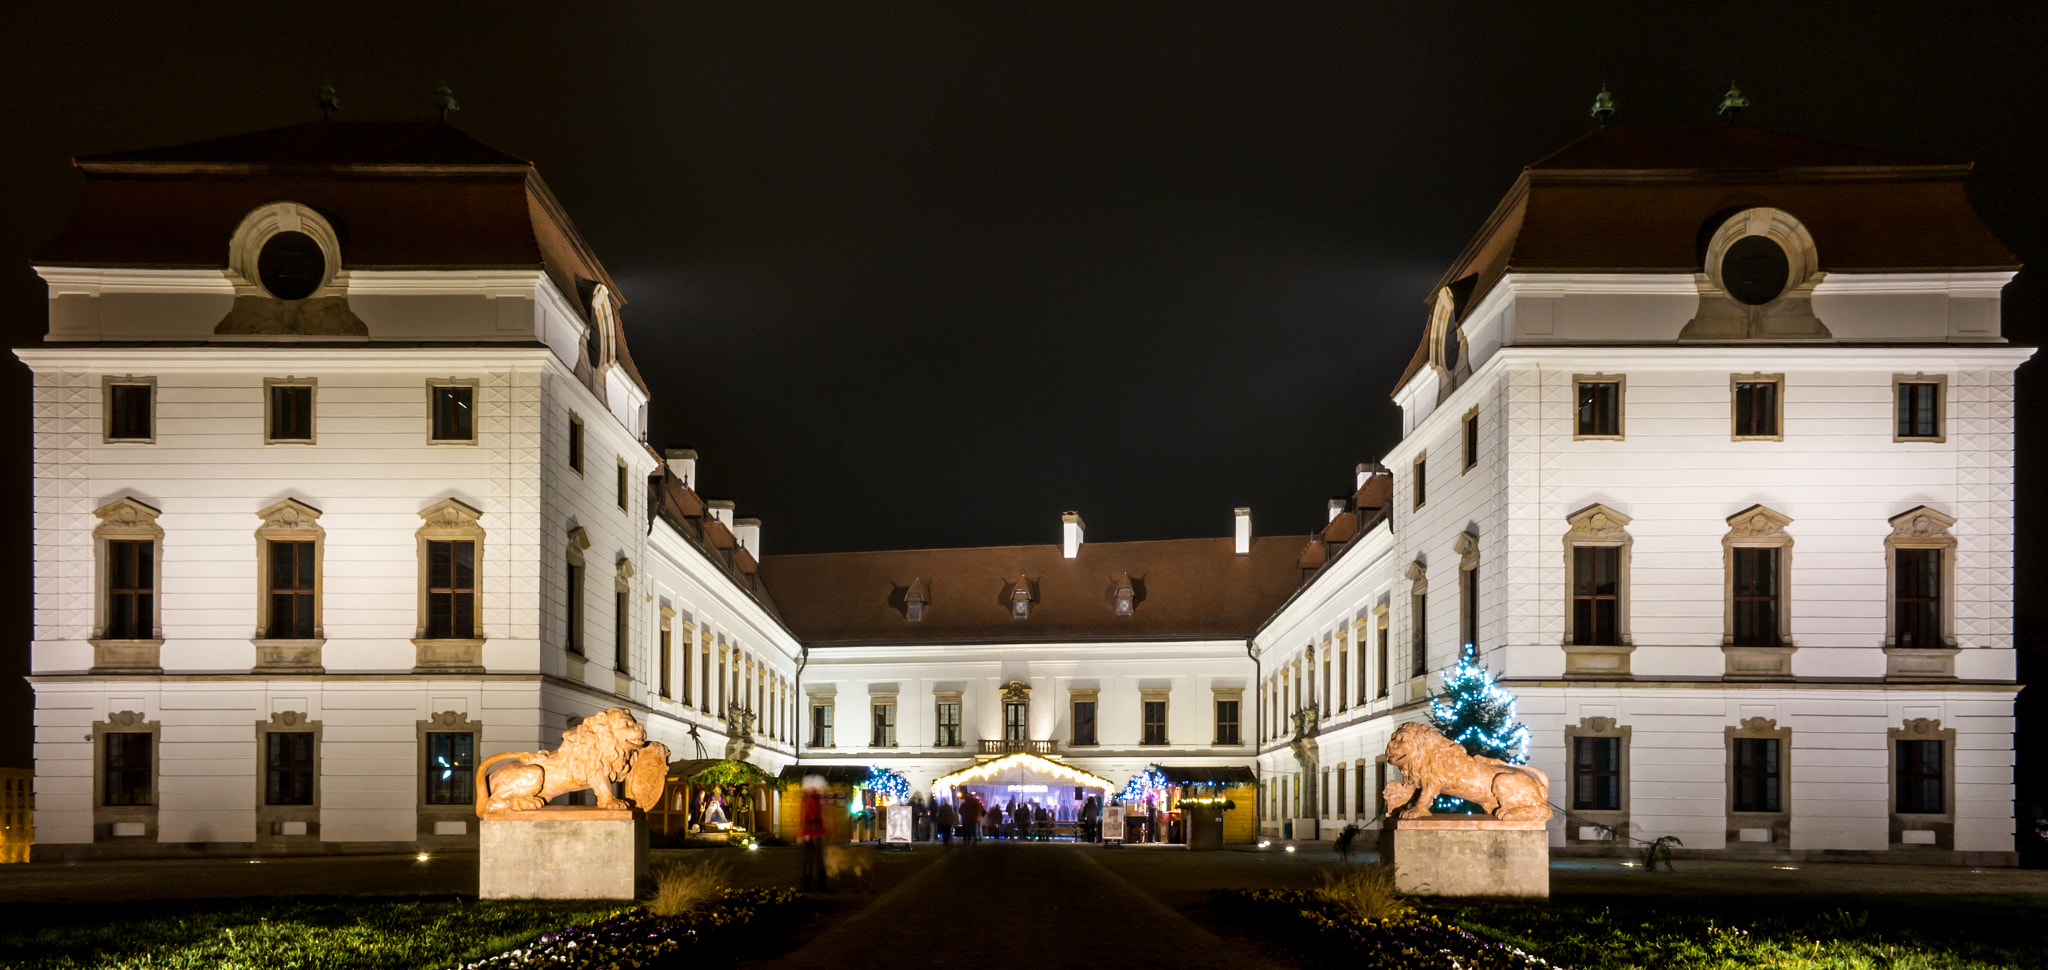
(1757, 522)
(1017, 691)
(1433, 765)
(1597, 523)
(605, 748)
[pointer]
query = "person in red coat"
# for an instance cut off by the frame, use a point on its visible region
(811, 834)
(971, 811)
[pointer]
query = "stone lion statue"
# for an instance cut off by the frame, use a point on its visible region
(607, 747)
(1433, 765)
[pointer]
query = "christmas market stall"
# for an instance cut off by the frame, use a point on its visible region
(716, 799)
(1021, 785)
(843, 799)
(1202, 807)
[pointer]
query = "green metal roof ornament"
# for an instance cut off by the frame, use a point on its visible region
(444, 99)
(1733, 102)
(330, 101)
(1603, 106)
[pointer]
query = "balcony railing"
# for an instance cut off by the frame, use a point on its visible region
(1000, 746)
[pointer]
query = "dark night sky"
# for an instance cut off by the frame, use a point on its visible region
(929, 275)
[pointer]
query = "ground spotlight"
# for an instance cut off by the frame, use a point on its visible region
(422, 857)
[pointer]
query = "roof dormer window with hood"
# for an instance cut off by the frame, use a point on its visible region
(284, 261)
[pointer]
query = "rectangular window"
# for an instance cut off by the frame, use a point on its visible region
(1155, 722)
(949, 725)
(1084, 722)
(1016, 721)
(131, 412)
(1226, 722)
(1917, 604)
(1386, 652)
(1596, 774)
(1757, 404)
(1920, 780)
(1421, 480)
(288, 768)
(1327, 706)
(622, 487)
(451, 768)
(131, 589)
(1599, 409)
(576, 444)
(821, 725)
(1919, 407)
(1379, 789)
(1418, 606)
(291, 590)
(621, 615)
(667, 660)
(1755, 596)
(291, 412)
(128, 768)
(1471, 438)
(885, 726)
(1596, 596)
(1339, 787)
(1756, 774)
(454, 412)
(574, 636)
(451, 590)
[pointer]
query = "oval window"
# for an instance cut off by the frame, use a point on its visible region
(1755, 270)
(291, 266)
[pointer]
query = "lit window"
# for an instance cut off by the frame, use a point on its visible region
(451, 768)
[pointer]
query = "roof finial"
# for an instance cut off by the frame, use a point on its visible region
(1603, 106)
(1733, 102)
(444, 99)
(330, 102)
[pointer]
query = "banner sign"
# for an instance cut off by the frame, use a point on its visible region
(1112, 823)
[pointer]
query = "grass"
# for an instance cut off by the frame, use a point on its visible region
(685, 886)
(1803, 932)
(1363, 894)
(265, 933)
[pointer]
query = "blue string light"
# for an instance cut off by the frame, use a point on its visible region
(887, 781)
(1479, 715)
(1144, 783)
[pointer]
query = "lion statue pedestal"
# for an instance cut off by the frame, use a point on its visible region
(1505, 852)
(528, 849)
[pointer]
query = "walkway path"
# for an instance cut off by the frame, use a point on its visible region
(1010, 905)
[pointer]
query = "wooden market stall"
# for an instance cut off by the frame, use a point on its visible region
(841, 792)
(711, 798)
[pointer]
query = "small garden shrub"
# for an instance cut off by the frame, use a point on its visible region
(717, 933)
(1363, 894)
(685, 886)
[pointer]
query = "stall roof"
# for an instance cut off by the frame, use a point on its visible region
(833, 774)
(1229, 775)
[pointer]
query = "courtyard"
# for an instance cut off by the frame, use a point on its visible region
(933, 906)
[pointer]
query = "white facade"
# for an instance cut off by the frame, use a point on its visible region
(1676, 475)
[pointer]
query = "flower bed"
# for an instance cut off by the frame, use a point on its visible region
(635, 938)
(1302, 921)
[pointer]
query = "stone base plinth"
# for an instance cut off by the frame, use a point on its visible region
(1468, 855)
(563, 853)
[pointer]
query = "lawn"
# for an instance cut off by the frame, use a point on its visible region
(1804, 932)
(267, 933)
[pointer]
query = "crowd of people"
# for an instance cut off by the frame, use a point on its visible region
(1020, 819)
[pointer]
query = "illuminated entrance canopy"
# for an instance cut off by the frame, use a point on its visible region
(1020, 770)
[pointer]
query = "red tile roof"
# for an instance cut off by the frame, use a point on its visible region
(1185, 588)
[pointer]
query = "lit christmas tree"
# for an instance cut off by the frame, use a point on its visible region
(1478, 714)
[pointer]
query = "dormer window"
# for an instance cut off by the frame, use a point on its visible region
(1020, 599)
(291, 266)
(1126, 596)
(914, 600)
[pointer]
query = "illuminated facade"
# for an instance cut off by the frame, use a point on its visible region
(342, 485)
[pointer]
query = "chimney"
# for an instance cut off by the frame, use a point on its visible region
(1336, 509)
(1244, 531)
(721, 509)
(682, 462)
(1071, 527)
(749, 533)
(1365, 470)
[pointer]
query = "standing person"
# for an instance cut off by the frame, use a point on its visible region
(811, 834)
(944, 819)
(1091, 820)
(995, 820)
(970, 818)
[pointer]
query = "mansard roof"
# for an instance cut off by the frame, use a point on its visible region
(1645, 200)
(401, 195)
(1185, 589)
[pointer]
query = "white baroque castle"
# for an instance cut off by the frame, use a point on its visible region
(342, 485)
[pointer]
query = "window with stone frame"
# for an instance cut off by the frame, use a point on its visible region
(1420, 480)
(1923, 783)
(131, 589)
(821, 725)
(1384, 651)
(575, 443)
(665, 653)
(288, 403)
(1759, 779)
(1758, 774)
(1596, 546)
(1084, 720)
(1226, 721)
(1471, 438)
(451, 553)
(1756, 597)
(451, 590)
(1596, 774)
(1338, 787)
(1921, 551)
(451, 407)
(1919, 778)
(947, 719)
(1154, 714)
(290, 591)
(1598, 412)
(451, 767)
(884, 734)
(1467, 547)
(1757, 403)
(1918, 407)
(1756, 638)
(129, 546)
